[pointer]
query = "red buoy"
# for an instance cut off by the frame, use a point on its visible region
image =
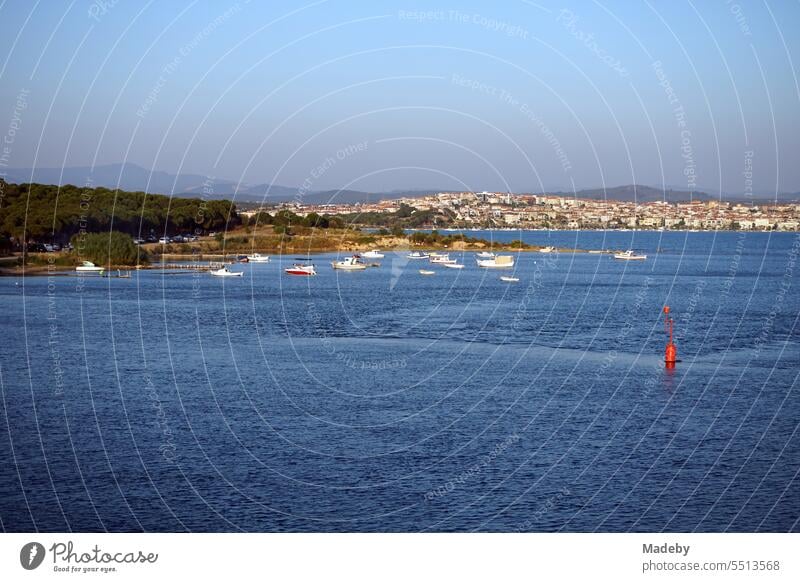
(671, 352)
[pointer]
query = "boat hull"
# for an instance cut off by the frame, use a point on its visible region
(491, 264)
(300, 272)
(630, 257)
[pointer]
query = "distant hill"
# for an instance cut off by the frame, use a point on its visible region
(128, 177)
(134, 178)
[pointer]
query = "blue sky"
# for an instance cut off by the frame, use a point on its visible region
(470, 95)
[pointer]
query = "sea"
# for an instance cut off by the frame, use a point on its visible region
(389, 401)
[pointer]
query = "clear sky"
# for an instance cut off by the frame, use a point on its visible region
(512, 95)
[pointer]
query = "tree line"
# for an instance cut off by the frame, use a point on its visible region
(45, 212)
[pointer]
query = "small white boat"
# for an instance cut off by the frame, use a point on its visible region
(298, 269)
(629, 255)
(442, 259)
(510, 279)
(453, 266)
(485, 255)
(373, 254)
(425, 272)
(349, 264)
(499, 262)
(547, 250)
(417, 256)
(257, 258)
(225, 272)
(89, 267)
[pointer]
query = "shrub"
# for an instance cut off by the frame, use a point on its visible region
(108, 248)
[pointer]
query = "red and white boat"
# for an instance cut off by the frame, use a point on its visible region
(298, 269)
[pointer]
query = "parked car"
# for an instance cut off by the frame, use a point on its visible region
(164, 240)
(138, 241)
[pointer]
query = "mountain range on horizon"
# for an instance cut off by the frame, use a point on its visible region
(132, 177)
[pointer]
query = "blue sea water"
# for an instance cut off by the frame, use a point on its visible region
(389, 401)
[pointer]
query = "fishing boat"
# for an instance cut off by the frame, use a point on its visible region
(547, 250)
(225, 272)
(349, 264)
(510, 279)
(373, 254)
(453, 266)
(426, 272)
(629, 255)
(499, 262)
(485, 255)
(436, 255)
(258, 258)
(416, 255)
(89, 267)
(442, 259)
(298, 269)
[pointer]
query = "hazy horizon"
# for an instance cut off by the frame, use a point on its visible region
(457, 95)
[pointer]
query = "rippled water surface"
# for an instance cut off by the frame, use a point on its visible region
(390, 401)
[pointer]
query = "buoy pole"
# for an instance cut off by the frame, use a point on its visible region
(671, 351)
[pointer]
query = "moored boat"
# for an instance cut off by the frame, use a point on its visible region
(258, 258)
(426, 272)
(499, 262)
(547, 250)
(442, 259)
(485, 255)
(373, 254)
(629, 255)
(510, 279)
(225, 272)
(89, 267)
(349, 264)
(298, 269)
(453, 265)
(416, 255)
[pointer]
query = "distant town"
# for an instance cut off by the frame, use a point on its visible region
(500, 210)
